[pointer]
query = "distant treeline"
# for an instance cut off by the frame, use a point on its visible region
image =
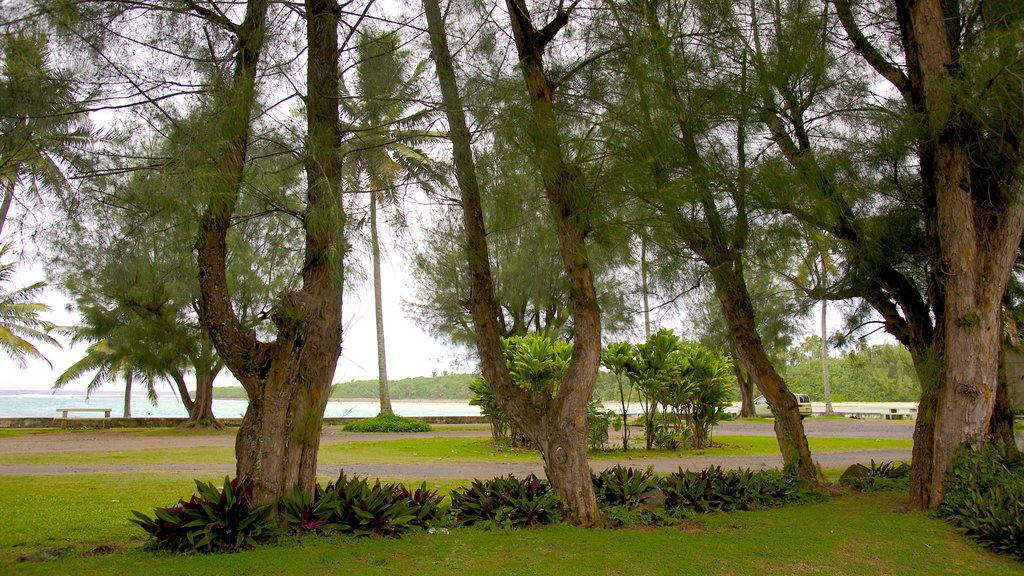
(880, 373)
(440, 387)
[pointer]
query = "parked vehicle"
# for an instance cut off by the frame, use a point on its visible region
(763, 410)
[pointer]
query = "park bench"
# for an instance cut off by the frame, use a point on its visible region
(64, 413)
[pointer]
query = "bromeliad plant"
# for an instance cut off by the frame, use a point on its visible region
(213, 520)
(508, 502)
(378, 509)
(713, 490)
(618, 486)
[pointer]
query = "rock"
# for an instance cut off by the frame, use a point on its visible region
(652, 499)
(45, 554)
(102, 550)
(855, 472)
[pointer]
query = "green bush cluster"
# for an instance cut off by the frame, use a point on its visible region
(388, 423)
(216, 520)
(212, 520)
(713, 490)
(507, 502)
(984, 498)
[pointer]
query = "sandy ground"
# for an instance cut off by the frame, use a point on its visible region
(147, 439)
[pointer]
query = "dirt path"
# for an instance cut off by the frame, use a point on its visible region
(150, 439)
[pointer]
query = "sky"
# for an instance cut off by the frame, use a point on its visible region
(410, 350)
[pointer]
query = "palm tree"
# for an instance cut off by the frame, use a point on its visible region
(107, 362)
(20, 324)
(43, 124)
(383, 152)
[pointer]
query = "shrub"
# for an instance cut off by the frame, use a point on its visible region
(211, 521)
(598, 421)
(881, 476)
(507, 502)
(715, 490)
(984, 498)
(388, 423)
(381, 510)
(620, 486)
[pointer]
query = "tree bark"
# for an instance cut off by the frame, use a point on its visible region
(288, 380)
(378, 310)
(128, 394)
(746, 386)
(557, 425)
(731, 289)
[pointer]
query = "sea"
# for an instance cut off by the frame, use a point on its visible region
(36, 403)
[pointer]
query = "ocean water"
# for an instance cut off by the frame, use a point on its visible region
(34, 404)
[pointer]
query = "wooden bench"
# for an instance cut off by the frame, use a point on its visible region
(64, 411)
(64, 414)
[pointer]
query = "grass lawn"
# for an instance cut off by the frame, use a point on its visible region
(847, 535)
(431, 450)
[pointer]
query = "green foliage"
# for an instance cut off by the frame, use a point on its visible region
(211, 521)
(877, 373)
(352, 505)
(598, 421)
(388, 423)
(984, 498)
(881, 476)
(713, 490)
(618, 486)
(536, 362)
(689, 379)
(507, 502)
(20, 321)
(436, 387)
(378, 510)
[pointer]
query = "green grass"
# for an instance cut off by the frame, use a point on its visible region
(848, 535)
(428, 450)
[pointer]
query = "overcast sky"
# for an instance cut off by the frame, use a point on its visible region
(411, 351)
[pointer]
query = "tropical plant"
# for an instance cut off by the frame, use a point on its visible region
(44, 126)
(506, 502)
(384, 150)
(616, 357)
(984, 498)
(213, 520)
(618, 486)
(20, 324)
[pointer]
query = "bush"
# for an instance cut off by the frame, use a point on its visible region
(211, 521)
(507, 502)
(620, 486)
(984, 498)
(881, 476)
(713, 490)
(388, 423)
(357, 507)
(598, 421)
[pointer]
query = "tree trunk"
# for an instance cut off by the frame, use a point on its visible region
(644, 288)
(746, 385)
(977, 225)
(5, 206)
(183, 393)
(824, 357)
(128, 394)
(378, 310)
(200, 415)
(557, 425)
(564, 442)
(738, 309)
(288, 381)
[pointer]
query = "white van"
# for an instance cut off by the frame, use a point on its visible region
(763, 410)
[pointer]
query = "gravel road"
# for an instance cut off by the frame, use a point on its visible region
(144, 439)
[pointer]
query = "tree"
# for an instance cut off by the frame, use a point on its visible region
(557, 425)
(933, 253)
(20, 324)
(107, 360)
(674, 152)
(616, 357)
(386, 133)
(44, 127)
